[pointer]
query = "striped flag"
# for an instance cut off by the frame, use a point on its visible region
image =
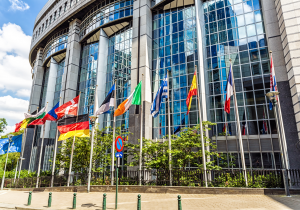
(273, 84)
(69, 108)
(192, 92)
(133, 99)
(161, 93)
(73, 126)
(229, 91)
(51, 116)
(107, 103)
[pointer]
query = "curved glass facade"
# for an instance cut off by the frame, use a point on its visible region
(105, 14)
(119, 68)
(174, 49)
(59, 42)
(235, 30)
(88, 77)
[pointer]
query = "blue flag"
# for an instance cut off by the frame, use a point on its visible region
(15, 145)
(161, 93)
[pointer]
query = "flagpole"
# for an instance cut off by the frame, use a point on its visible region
(23, 146)
(54, 158)
(16, 171)
(141, 137)
(40, 158)
(92, 143)
(201, 132)
(239, 128)
(3, 178)
(73, 145)
(32, 143)
(169, 131)
(31, 148)
(114, 136)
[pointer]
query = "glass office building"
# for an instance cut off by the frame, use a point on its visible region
(129, 42)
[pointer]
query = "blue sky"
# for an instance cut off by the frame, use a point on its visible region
(16, 24)
(24, 18)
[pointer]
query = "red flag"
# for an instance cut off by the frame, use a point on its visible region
(18, 126)
(69, 108)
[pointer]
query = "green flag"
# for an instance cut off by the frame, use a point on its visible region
(137, 96)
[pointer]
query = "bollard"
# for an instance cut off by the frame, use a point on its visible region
(104, 202)
(179, 202)
(139, 207)
(50, 199)
(74, 201)
(29, 199)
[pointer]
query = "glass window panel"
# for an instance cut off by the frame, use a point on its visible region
(249, 18)
(262, 41)
(251, 30)
(214, 38)
(238, 9)
(256, 5)
(230, 23)
(258, 83)
(244, 57)
(260, 28)
(256, 70)
(247, 84)
(219, 4)
(243, 45)
(256, 160)
(213, 27)
(254, 55)
(260, 97)
(245, 70)
(265, 67)
(221, 25)
(229, 12)
(212, 16)
(222, 36)
(252, 42)
(242, 32)
(251, 114)
(258, 16)
(240, 21)
(248, 6)
(220, 14)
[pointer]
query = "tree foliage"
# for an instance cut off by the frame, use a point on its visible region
(101, 152)
(185, 150)
(3, 125)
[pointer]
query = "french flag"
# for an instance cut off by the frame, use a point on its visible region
(229, 91)
(273, 85)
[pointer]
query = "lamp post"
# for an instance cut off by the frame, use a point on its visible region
(272, 95)
(9, 141)
(93, 119)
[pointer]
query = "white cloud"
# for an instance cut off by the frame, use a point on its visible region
(12, 109)
(19, 5)
(15, 69)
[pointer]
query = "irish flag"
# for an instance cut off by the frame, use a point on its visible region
(133, 99)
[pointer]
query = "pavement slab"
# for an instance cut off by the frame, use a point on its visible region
(150, 201)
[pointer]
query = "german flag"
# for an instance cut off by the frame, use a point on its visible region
(73, 126)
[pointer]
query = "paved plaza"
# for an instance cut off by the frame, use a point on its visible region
(150, 201)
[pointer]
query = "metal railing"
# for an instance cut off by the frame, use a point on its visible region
(216, 178)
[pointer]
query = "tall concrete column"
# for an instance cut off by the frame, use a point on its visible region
(284, 41)
(101, 73)
(70, 77)
(141, 64)
(37, 82)
(50, 93)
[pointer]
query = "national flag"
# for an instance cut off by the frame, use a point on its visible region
(192, 92)
(34, 115)
(273, 84)
(229, 91)
(15, 145)
(108, 102)
(178, 129)
(161, 93)
(133, 99)
(38, 120)
(69, 108)
(73, 126)
(265, 127)
(244, 123)
(51, 115)
(18, 126)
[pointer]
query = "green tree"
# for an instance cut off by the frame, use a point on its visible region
(11, 161)
(185, 150)
(81, 156)
(3, 125)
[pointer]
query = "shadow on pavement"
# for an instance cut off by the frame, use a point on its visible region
(292, 202)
